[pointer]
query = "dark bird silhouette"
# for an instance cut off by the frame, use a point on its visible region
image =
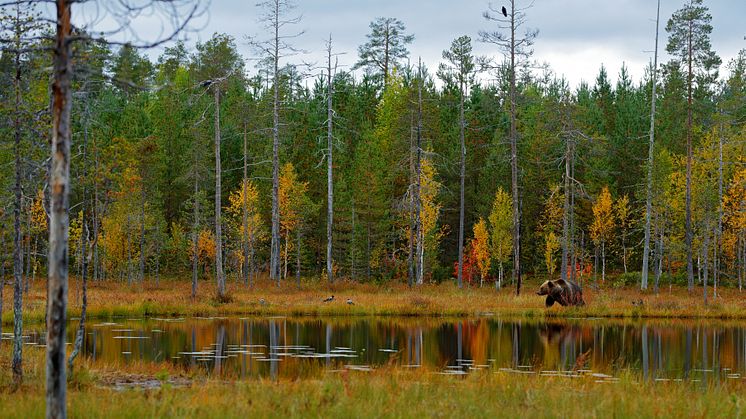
(349, 301)
(505, 12)
(329, 299)
(206, 83)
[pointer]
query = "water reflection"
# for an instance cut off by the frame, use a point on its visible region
(290, 347)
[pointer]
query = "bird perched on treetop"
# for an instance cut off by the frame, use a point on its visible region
(329, 299)
(209, 82)
(505, 12)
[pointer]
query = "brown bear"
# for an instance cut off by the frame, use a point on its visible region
(566, 293)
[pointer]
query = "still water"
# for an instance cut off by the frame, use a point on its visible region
(295, 347)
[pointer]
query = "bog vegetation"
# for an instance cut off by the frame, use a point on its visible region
(224, 170)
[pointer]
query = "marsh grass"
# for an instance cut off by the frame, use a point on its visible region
(386, 392)
(172, 299)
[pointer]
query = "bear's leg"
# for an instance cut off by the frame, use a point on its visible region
(550, 301)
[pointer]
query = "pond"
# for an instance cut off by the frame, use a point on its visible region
(297, 347)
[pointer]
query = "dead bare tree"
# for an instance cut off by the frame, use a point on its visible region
(329, 163)
(649, 198)
(272, 50)
(177, 13)
(517, 48)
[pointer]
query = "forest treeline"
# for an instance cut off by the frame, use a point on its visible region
(146, 134)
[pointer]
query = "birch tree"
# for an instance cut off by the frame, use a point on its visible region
(603, 225)
(501, 228)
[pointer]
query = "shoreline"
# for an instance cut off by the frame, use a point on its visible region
(172, 299)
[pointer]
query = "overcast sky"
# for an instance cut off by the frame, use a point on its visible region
(575, 36)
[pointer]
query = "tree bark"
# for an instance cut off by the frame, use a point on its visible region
(84, 247)
(603, 262)
(59, 183)
(195, 228)
(418, 185)
(514, 157)
(142, 229)
(275, 243)
(219, 274)
(689, 156)
(566, 212)
(705, 260)
(245, 214)
(352, 241)
(2, 275)
(659, 255)
(329, 166)
(651, 144)
(719, 231)
(462, 180)
(17, 362)
(297, 257)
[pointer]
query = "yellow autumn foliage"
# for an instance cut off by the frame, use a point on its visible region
(481, 248)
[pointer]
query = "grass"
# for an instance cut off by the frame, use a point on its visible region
(172, 298)
(167, 390)
(387, 392)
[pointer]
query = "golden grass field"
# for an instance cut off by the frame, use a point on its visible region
(172, 298)
(92, 393)
(163, 390)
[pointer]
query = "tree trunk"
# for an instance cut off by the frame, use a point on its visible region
(219, 274)
(659, 255)
(329, 168)
(651, 153)
(352, 241)
(2, 275)
(624, 251)
(251, 258)
(412, 210)
(84, 257)
(95, 215)
(603, 262)
(514, 157)
(499, 282)
(195, 229)
(462, 179)
(59, 185)
(566, 212)
(157, 254)
(572, 243)
(29, 238)
(419, 268)
(297, 258)
(129, 251)
(705, 258)
(719, 231)
(142, 230)
(245, 215)
(17, 363)
(285, 258)
(275, 244)
(689, 156)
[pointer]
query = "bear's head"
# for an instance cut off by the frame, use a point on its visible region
(546, 288)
